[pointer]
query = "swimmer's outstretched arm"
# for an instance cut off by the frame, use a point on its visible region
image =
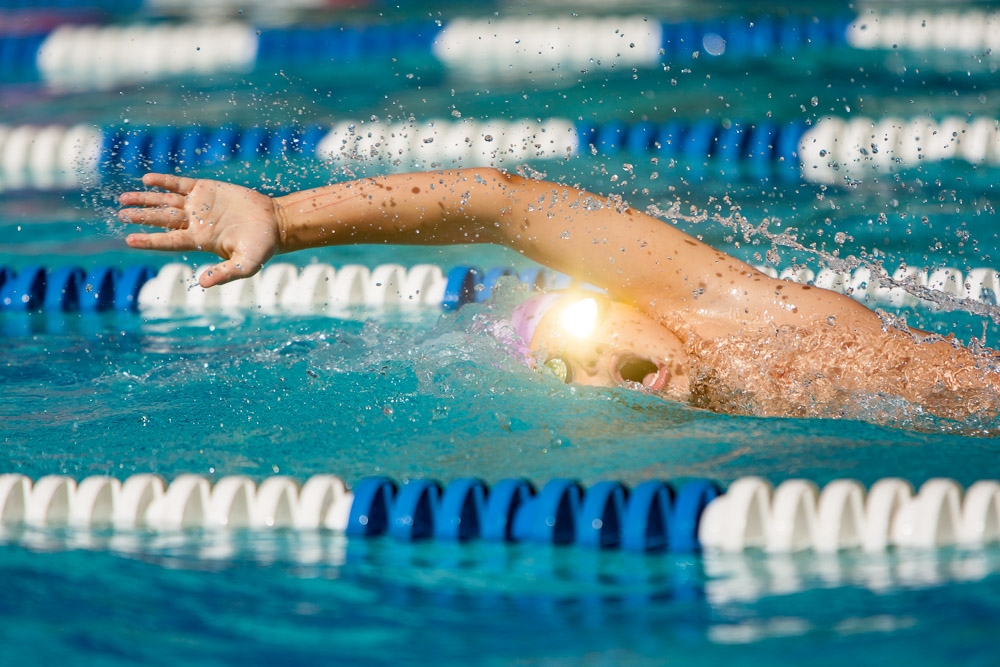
(637, 258)
(582, 234)
(590, 237)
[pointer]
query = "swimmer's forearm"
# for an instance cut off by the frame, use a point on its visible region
(554, 224)
(439, 208)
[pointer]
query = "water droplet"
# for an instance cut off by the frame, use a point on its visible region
(714, 44)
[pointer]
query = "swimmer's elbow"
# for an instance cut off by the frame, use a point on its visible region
(492, 208)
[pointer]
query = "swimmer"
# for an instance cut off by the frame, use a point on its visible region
(678, 318)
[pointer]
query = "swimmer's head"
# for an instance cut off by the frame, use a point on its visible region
(586, 338)
(528, 315)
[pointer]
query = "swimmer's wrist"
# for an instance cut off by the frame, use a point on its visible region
(282, 222)
(299, 225)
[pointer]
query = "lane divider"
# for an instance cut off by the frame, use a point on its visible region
(832, 150)
(146, 501)
(907, 286)
(798, 516)
(76, 56)
(654, 515)
(72, 289)
(852, 150)
(278, 288)
(403, 146)
(49, 157)
(964, 31)
(325, 290)
(103, 56)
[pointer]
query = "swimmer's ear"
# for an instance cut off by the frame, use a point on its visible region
(558, 368)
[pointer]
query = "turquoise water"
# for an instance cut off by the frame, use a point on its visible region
(385, 603)
(429, 396)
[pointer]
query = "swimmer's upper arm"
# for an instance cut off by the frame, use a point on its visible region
(596, 239)
(601, 240)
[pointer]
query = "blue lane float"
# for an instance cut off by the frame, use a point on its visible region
(62, 292)
(372, 507)
(562, 512)
(24, 291)
(72, 289)
(462, 286)
(551, 515)
(462, 511)
(502, 506)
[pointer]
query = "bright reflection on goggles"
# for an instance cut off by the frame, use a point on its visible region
(559, 368)
(579, 319)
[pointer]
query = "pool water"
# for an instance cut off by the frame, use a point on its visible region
(426, 395)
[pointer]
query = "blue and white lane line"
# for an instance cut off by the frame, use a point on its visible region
(750, 514)
(829, 151)
(77, 56)
(321, 289)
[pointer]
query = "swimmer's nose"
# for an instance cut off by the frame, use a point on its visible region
(589, 361)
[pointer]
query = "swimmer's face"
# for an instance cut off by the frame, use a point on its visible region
(591, 340)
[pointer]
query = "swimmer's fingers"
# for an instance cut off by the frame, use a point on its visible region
(169, 217)
(178, 184)
(179, 239)
(234, 268)
(152, 199)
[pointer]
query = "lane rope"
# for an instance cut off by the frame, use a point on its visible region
(321, 289)
(964, 31)
(103, 56)
(832, 150)
(751, 514)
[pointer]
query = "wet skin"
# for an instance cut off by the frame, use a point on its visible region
(627, 348)
(671, 295)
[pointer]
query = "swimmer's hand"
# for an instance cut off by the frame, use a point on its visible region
(236, 223)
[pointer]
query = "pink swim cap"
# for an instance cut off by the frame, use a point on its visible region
(527, 315)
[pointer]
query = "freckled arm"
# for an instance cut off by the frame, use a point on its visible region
(635, 257)
(433, 208)
(638, 259)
